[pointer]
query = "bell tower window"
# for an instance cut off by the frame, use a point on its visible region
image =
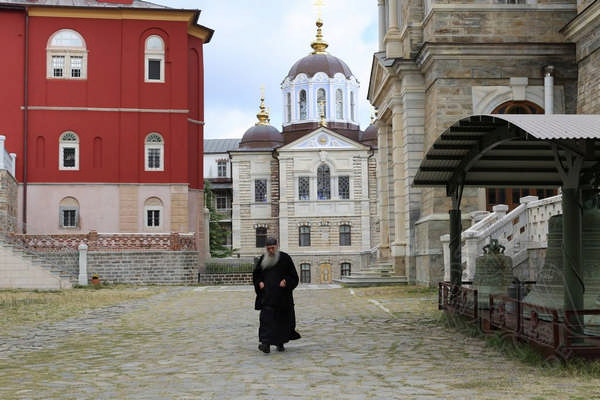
(302, 104)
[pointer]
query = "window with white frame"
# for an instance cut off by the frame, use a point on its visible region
(222, 168)
(153, 208)
(322, 102)
(323, 182)
(344, 187)
(302, 104)
(303, 188)
(345, 269)
(68, 152)
(68, 213)
(154, 150)
(66, 56)
(304, 236)
(339, 104)
(154, 59)
(345, 234)
(304, 273)
(260, 190)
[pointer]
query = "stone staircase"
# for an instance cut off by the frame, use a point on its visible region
(21, 268)
(378, 274)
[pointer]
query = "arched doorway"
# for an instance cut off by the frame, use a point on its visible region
(511, 196)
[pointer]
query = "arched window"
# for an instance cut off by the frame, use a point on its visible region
(322, 102)
(305, 273)
(302, 104)
(345, 269)
(66, 56)
(352, 106)
(288, 107)
(345, 234)
(339, 104)
(154, 59)
(323, 182)
(512, 196)
(153, 210)
(154, 152)
(304, 236)
(68, 151)
(261, 237)
(68, 213)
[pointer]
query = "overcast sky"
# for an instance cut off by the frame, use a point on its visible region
(256, 43)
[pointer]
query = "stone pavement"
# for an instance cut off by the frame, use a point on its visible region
(201, 343)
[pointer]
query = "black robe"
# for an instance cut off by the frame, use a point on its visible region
(276, 304)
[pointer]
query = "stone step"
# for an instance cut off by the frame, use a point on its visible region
(366, 280)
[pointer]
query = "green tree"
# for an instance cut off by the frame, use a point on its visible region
(217, 233)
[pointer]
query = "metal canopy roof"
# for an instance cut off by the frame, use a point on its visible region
(510, 150)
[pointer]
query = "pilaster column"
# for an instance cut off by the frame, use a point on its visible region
(383, 192)
(393, 40)
(381, 10)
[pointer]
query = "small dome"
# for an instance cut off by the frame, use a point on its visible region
(369, 136)
(313, 63)
(261, 137)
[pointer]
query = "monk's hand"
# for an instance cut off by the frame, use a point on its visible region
(283, 283)
(261, 285)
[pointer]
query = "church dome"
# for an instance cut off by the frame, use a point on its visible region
(313, 63)
(262, 135)
(369, 136)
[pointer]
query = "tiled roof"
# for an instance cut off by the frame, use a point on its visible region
(220, 145)
(82, 3)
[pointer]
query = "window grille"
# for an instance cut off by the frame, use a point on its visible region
(58, 66)
(68, 157)
(69, 151)
(260, 190)
(322, 102)
(346, 269)
(303, 188)
(345, 235)
(305, 273)
(339, 104)
(261, 237)
(344, 187)
(153, 158)
(304, 236)
(153, 218)
(69, 218)
(323, 183)
(302, 104)
(76, 65)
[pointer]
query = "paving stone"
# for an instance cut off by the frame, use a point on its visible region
(201, 343)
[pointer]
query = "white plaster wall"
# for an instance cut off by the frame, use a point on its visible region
(210, 165)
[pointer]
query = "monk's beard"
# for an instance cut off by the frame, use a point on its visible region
(269, 260)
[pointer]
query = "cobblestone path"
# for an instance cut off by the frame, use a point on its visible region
(201, 343)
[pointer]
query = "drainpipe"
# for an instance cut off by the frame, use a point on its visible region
(25, 116)
(549, 89)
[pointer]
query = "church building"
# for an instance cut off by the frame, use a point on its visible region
(311, 185)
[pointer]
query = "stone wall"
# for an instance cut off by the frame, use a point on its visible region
(225, 279)
(8, 202)
(589, 81)
(146, 267)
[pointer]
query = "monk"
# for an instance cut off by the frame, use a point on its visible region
(274, 279)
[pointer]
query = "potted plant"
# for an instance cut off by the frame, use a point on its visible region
(95, 279)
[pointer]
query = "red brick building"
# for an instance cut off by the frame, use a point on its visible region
(102, 101)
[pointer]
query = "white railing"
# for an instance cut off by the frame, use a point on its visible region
(7, 161)
(524, 228)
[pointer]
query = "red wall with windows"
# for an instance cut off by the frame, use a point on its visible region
(111, 142)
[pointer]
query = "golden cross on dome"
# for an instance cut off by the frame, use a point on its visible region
(263, 114)
(319, 4)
